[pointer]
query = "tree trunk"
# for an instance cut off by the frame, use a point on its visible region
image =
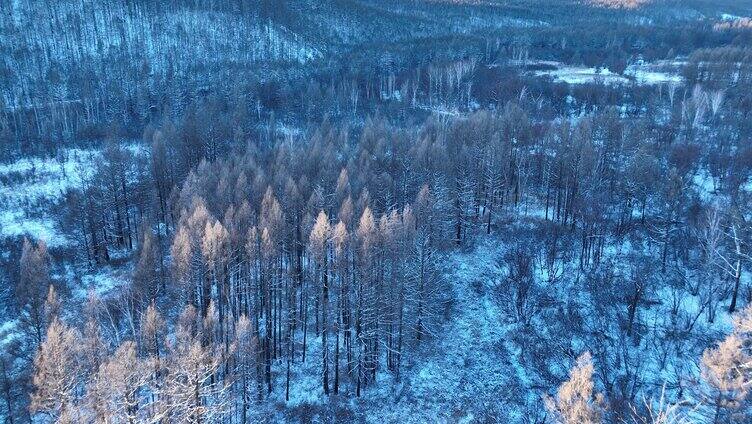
(324, 328)
(737, 281)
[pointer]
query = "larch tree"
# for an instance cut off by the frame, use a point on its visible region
(271, 221)
(115, 392)
(182, 257)
(365, 314)
(245, 364)
(57, 373)
(198, 276)
(726, 380)
(576, 401)
(160, 173)
(253, 306)
(390, 291)
(341, 244)
(115, 183)
(214, 249)
(726, 374)
(92, 345)
(52, 305)
(32, 288)
(268, 251)
(407, 245)
(319, 247)
(191, 391)
(346, 212)
(151, 345)
(423, 260)
(146, 276)
(342, 189)
(152, 331)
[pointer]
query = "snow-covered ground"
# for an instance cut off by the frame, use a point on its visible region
(474, 365)
(653, 74)
(483, 366)
(102, 282)
(463, 374)
(729, 17)
(582, 75)
(640, 73)
(30, 188)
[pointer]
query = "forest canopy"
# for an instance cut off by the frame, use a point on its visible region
(532, 211)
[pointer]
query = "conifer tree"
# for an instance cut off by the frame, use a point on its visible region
(726, 374)
(365, 315)
(246, 356)
(33, 287)
(57, 373)
(114, 393)
(319, 246)
(146, 274)
(576, 401)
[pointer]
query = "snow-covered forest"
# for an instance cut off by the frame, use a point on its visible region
(402, 211)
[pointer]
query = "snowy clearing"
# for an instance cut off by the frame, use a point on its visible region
(639, 73)
(31, 187)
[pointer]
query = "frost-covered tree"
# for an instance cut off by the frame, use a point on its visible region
(33, 287)
(342, 322)
(576, 401)
(661, 411)
(365, 309)
(726, 379)
(52, 305)
(214, 249)
(726, 374)
(191, 391)
(245, 364)
(115, 392)
(57, 374)
(152, 331)
(182, 262)
(319, 247)
(146, 275)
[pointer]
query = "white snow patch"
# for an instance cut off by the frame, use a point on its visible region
(640, 73)
(583, 75)
(705, 183)
(8, 332)
(31, 187)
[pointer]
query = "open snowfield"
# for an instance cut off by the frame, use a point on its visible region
(640, 73)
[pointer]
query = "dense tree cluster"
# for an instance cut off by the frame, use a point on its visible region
(80, 70)
(329, 250)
